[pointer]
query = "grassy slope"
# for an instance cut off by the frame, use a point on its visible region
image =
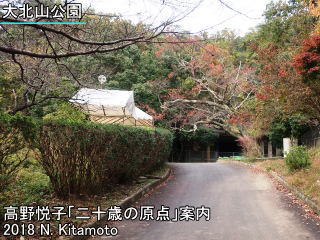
(306, 180)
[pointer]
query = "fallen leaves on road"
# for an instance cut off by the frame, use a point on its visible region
(293, 200)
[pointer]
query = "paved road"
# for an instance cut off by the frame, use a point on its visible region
(244, 205)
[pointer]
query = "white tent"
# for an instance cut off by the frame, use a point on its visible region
(111, 106)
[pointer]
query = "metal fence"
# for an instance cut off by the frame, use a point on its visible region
(200, 156)
(229, 154)
(312, 137)
(204, 156)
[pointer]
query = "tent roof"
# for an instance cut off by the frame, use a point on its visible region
(101, 102)
(103, 97)
(139, 114)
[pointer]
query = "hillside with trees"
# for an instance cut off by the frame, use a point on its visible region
(262, 85)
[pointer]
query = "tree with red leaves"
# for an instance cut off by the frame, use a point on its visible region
(307, 62)
(211, 88)
(281, 91)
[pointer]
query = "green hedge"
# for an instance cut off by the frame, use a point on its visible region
(88, 158)
(82, 157)
(16, 134)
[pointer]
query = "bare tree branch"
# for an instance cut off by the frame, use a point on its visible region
(231, 8)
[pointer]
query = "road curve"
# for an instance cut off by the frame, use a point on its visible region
(244, 206)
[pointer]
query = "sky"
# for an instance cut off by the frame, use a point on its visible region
(209, 15)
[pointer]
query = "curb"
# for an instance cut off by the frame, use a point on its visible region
(136, 196)
(294, 190)
(127, 202)
(297, 193)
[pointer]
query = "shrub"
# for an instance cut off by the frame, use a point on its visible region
(16, 134)
(67, 112)
(33, 185)
(249, 147)
(30, 185)
(87, 158)
(297, 158)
